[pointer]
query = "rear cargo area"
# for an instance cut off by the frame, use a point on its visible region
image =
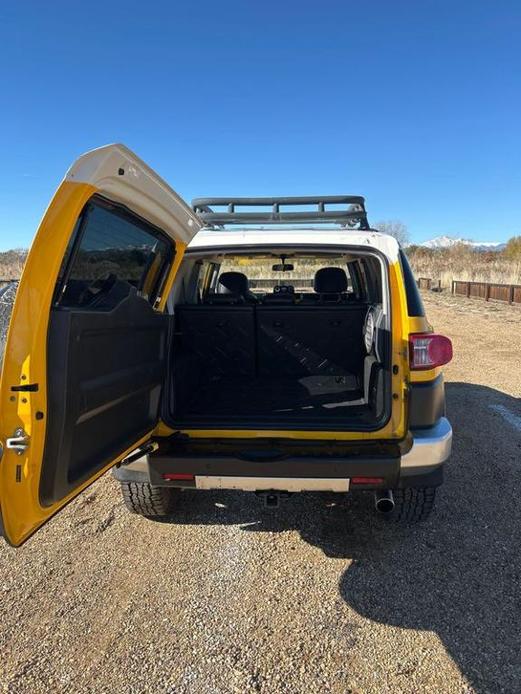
(273, 366)
(309, 396)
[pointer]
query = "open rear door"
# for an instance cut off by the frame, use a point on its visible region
(86, 352)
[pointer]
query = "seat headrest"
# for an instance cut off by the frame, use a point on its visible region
(234, 282)
(330, 280)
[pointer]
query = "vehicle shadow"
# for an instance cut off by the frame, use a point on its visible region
(457, 575)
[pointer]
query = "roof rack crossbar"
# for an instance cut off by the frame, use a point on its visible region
(354, 212)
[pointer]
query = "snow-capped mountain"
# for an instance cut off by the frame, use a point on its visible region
(448, 241)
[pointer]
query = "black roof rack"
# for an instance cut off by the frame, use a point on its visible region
(352, 213)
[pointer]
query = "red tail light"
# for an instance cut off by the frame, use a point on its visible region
(427, 350)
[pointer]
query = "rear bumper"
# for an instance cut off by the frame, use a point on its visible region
(422, 465)
(431, 448)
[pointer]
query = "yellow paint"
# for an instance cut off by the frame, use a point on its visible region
(424, 376)
(179, 254)
(394, 429)
(151, 276)
(419, 324)
(25, 362)
(300, 435)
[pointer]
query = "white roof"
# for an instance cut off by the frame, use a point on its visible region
(317, 237)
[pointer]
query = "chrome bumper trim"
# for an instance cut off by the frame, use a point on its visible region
(431, 446)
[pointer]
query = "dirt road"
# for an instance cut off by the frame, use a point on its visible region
(306, 598)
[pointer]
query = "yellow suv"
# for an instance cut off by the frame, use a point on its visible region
(266, 344)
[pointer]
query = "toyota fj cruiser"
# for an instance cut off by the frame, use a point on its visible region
(267, 344)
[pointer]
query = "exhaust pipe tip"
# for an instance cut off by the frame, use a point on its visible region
(384, 501)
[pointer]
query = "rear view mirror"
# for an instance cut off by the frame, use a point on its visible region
(283, 267)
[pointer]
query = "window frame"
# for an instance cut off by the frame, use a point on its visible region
(77, 237)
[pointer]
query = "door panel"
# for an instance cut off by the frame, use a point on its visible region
(53, 394)
(105, 374)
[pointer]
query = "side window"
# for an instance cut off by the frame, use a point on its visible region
(414, 301)
(112, 252)
(370, 270)
(356, 271)
(204, 277)
(214, 276)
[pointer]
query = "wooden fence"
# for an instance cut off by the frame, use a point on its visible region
(427, 283)
(489, 291)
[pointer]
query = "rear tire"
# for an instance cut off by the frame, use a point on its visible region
(412, 504)
(143, 498)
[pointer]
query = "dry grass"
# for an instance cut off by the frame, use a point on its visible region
(261, 268)
(458, 262)
(462, 263)
(11, 263)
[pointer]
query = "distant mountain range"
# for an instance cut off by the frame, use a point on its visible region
(448, 241)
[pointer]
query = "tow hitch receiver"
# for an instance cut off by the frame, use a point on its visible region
(273, 498)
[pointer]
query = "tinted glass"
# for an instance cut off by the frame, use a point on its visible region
(112, 253)
(414, 300)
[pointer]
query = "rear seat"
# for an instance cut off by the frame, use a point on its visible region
(220, 336)
(285, 341)
(329, 285)
(229, 338)
(321, 335)
(310, 339)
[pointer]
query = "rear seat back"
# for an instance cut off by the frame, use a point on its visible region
(270, 340)
(221, 338)
(310, 340)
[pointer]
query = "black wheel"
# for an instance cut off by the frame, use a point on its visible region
(412, 504)
(143, 498)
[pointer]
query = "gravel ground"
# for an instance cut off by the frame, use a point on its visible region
(310, 597)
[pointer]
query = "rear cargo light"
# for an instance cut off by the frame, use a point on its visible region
(177, 476)
(366, 480)
(427, 350)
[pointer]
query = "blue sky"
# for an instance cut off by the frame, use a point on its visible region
(415, 105)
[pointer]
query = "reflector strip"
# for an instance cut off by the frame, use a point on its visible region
(367, 480)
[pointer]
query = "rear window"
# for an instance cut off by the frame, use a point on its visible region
(263, 277)
(112, 251)
(414, 301)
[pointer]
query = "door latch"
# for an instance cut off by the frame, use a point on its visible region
(19, 442)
